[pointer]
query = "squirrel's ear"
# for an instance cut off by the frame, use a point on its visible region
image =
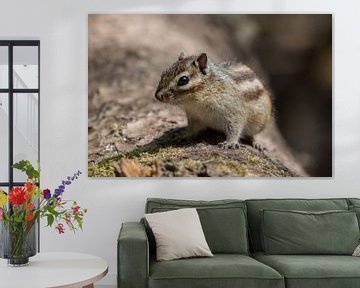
(201, 62)
(181, 56)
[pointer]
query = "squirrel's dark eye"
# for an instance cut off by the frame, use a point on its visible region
(183, 80)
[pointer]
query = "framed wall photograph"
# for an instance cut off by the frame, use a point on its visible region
(236, 95)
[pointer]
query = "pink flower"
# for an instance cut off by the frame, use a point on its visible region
(76, 210)
(60, 228)
(68, 219)
(1, 212)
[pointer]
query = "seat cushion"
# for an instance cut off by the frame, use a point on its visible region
(223, 221)
(255, 206)
(315, 271)
(222, 270)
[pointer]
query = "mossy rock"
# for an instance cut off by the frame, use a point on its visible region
(199, 160)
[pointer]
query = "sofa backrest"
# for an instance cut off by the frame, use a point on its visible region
(223, 221)
(354, 205)
(256, 205)
(353, 202)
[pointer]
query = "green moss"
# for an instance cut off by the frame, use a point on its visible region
(108, 161)
(231, 167)
(101, 170)
(263, 166)
(188, 160)
(163, 154)
(191, 167)
(253, 159)
(150, 148)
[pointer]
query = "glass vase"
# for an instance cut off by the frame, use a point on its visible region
(18, 242)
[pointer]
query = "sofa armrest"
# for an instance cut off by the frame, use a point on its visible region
(133, 256)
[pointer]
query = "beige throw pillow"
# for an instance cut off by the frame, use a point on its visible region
(178, 234)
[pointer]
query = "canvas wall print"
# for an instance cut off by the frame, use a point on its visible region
(210, 95)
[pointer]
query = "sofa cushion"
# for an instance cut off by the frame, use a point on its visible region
(354, 205)
(178, 234)
(297, 232)
(313, 271)
(254, 217)
(223, 221)
(356, 209)
(222, 270)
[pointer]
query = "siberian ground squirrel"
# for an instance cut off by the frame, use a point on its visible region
(227, 97)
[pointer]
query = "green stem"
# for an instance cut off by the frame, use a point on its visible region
(18, 237)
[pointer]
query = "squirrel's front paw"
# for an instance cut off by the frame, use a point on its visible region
(229, 145)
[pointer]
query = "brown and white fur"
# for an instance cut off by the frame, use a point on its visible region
(226, 97)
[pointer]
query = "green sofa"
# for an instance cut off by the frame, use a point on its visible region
(234, 230)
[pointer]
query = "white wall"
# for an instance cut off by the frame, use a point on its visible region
(61, 25)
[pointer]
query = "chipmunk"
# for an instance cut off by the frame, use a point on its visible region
(227, 97)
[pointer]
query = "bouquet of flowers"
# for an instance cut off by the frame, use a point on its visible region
(23, 206)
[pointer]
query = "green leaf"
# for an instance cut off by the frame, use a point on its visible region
(52, 211)
(28, 168)
(79, 221)
(50, 219)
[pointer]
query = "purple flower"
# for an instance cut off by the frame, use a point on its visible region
(46, 194)
(58, 192)
(68, 181)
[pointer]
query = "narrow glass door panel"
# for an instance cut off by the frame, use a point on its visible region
(4, 67)
(4, 137)
(26, 130)
(26, 73)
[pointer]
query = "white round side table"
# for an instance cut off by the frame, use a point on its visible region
(50, 270)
